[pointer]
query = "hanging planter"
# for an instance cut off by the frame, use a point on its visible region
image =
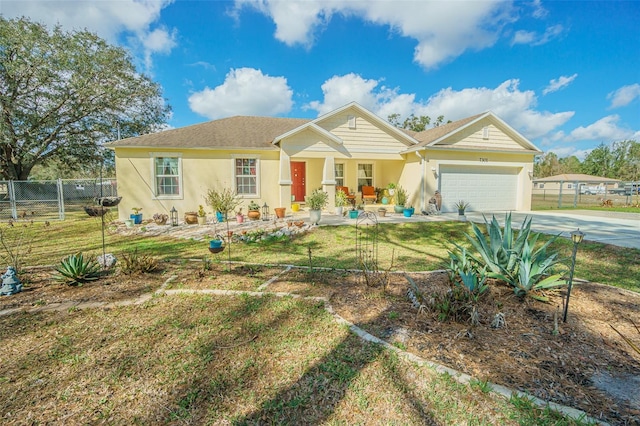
(108, 201)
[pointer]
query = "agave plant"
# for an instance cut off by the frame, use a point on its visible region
(534, 272)
(463, 269)
(75, 270)
(510, 257)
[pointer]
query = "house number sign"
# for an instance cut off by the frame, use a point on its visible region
(484, 160)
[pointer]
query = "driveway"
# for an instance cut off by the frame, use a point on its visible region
(620, 229)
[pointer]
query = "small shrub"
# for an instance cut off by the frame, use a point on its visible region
(134, 263)
(76, 270)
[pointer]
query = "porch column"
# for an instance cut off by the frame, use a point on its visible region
(329, 182)
(285, 180)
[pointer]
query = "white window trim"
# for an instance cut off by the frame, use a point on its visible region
(234, 157)
(152, 158)
(344, 173)
(373, 173)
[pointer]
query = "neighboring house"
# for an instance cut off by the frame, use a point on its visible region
(278, 161)
(570, 183)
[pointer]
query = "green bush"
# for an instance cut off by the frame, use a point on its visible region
(75, 270)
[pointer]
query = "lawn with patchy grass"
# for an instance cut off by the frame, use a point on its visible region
(199, 359)
(203, 359)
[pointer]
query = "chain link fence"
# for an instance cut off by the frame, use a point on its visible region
(576, 194)
(51, 199)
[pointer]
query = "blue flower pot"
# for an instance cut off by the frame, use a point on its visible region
(353, 214)
(220, 217)
(215, 243)
(137, 218)
(407, 212)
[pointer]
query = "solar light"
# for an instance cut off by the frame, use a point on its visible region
(576, 236)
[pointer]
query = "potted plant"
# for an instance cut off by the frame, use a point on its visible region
(202, 215)
(222, 202)
(239, 216)
(341, 201)
(316, 202)
(391, 189)
(160, 218)
(382, 211)
(353, 213)
(461, 206)
(401, 199)
(136, 215)
(254, 211)
(408, 210)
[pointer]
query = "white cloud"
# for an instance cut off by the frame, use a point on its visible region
(539, 11)
(109, 19)
(568, 151)
(477, 24)
(507, 101)
(245, 91)
(560, 83)
(535, 39)
(624, 95)
(606, 129)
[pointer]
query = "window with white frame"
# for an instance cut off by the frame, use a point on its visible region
(246, 176)
(339, 169)
(167, 177)
(365, 175)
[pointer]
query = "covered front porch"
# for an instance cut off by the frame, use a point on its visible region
(366, 180)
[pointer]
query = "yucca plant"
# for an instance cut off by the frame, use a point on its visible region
(76, 270)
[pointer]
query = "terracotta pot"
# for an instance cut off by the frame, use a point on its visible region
(280, 212)
(253, 214)
(191, 218)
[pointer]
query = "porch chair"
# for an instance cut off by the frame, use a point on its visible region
(351, 198)
(368, 193)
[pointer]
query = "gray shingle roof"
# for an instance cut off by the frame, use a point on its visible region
(234, 132)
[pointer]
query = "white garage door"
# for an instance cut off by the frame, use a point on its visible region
(484, 188)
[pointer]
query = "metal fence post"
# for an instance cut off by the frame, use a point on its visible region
(60, 199)
(560, 195)
(12, 200)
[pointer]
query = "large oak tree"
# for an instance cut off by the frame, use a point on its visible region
(62, 94)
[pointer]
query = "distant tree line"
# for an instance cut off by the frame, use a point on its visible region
(620, 160)
(417, 124)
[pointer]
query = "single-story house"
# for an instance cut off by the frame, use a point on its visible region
(279, 161)
(571, 182)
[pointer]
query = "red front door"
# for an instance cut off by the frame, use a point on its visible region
(298, 178)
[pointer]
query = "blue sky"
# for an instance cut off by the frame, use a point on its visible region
(566, 74)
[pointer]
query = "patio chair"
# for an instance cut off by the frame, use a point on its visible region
(369, 193)
(351, 198)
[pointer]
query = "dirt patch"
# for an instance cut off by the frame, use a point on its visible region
(582, 364)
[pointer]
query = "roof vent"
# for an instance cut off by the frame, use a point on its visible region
(352, 121)
(485, 132)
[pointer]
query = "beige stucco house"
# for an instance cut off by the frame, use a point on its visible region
(278, 161)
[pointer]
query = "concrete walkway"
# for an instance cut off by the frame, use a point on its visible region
(620, 229)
